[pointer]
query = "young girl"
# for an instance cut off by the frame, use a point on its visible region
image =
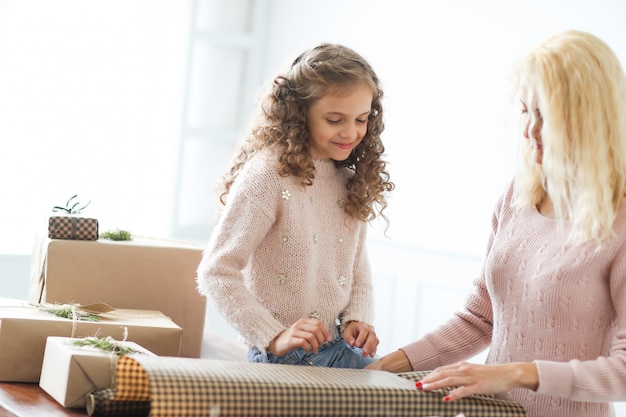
(551, 301)
(287, 264)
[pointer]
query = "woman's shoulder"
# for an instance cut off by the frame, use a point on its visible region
(619, 225)
(505, 198)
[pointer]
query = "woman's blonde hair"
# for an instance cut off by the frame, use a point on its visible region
(281, 125)
(579, 88)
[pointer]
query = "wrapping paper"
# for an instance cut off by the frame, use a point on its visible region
(143, 274)
(102, 403)
(72, 227)
(24, 330)
(196, 387)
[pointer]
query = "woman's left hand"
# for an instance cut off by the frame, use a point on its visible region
(480, 379)
(361, 335)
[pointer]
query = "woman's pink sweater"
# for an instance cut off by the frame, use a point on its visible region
(542, 299)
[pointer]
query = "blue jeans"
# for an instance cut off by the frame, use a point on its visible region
(334, 354)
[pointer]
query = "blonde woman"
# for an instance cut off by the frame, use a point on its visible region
(551, 301)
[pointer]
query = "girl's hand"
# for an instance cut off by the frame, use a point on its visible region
(308, 334)
(361, 335)
(480, 379)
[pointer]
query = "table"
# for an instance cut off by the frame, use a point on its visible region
(19, 399)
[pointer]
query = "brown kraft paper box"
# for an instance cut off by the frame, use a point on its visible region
(24, 330)
(145, 274)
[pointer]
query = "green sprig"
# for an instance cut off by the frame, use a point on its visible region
(116, 235)
(106, 344)
(68, 311)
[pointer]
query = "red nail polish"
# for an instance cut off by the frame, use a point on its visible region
(418, 384)
(446, 399)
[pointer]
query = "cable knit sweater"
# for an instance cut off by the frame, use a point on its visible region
(282, 251)
(541, 299)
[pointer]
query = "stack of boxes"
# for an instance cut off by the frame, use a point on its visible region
(146, 274)
(145, 288)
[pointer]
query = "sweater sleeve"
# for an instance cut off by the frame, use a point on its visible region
(243, 224)
(361, 305)
(603, 378)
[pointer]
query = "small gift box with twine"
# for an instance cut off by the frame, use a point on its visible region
(71, 225)
(74, 367)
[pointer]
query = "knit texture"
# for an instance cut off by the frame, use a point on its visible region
(282, 251)
(543, 299)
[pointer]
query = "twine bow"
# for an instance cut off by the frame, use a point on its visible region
(71, 209)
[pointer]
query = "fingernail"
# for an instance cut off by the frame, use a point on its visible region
(446, 399)
(418, 384)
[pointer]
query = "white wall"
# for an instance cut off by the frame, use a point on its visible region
(90, 103)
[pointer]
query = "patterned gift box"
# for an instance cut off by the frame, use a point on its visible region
(196, 387)
(73, 228)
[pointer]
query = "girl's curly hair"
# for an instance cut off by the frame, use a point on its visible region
(281, 125)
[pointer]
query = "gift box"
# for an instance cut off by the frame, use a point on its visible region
(72, 227)
(24, 329)
(147, 274)
(70, 372)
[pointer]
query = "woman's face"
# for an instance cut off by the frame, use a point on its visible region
(532, 122)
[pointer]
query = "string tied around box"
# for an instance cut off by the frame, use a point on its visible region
(112, 347)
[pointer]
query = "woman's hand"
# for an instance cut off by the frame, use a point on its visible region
(393, 362)
(362, 335)
(480, 379)
(308, 334)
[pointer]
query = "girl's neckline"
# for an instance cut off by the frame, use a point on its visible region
(324, 167)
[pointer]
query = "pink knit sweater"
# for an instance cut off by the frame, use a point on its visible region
(282, 251)
(544, 300)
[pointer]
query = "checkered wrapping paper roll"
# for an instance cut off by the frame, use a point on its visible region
(191, 387)
(101, 403)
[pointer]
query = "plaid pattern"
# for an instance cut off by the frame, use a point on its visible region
(131, 381)
(102, 403)
(418, 375)
(72, 227)
(475, 405)
(193, 387)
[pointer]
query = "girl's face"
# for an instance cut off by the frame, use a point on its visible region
(337, 122)
(532, 122)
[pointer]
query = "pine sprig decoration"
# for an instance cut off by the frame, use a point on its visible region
(116, 234)
(106, 344)
(68, 311)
